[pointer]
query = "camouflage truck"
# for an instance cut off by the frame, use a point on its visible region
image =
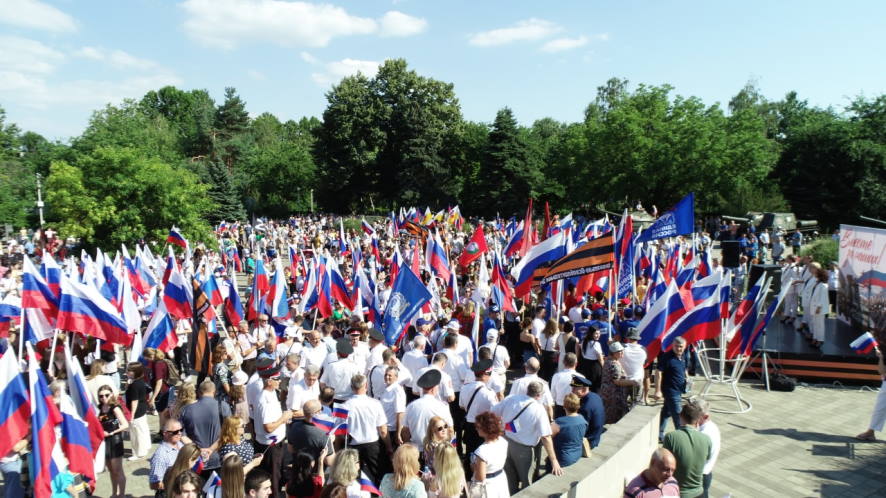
(786, 221)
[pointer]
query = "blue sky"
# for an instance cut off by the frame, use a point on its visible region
(62, 59)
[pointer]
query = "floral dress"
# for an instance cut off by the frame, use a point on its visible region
(615, 397)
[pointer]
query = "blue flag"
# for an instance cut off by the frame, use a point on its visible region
(678, 221)
(407, 297)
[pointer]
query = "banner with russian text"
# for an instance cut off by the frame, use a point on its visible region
(861, 298)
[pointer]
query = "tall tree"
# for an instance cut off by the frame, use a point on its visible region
(510, 177)
(223, 194)
(229, 137)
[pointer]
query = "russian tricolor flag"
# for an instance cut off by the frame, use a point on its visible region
(511, 426)
(85, 407)
(82, 309)
(10, 311)
(176, 238)
(551, 249)
(160, 333)
(233, 307)
(214, 482)
(44, 417)
(36, 293)
(367, 228)
(702, 322)
(52, 272)
(198, 465)
(367, 485)
(323, 424)
(744, 343)
(14, 423)
(864, 344)
(177, 295)
(76, 441)
(339, 411)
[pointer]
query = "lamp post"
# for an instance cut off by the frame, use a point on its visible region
(40, 200)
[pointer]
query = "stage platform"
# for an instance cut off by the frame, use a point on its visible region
(791, 354)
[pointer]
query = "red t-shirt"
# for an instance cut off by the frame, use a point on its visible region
(159, 370)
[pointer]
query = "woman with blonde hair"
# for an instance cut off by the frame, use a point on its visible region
(346, 471)
(448, 480)
(185, 395)
(438, 434)
(187, 457)
(97, 378)
(233, 478)
(233, 442)
(404, 482)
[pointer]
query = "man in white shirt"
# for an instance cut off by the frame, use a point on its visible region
(393, 401)
(339, 373)
(263, 330)
(526, 425)
(270, 425)
(709, 428)
(367, 429)
(445, 393)
(303, 390)
(420, 411)
(376, 374)
(314, 353)
(415, 360)
(633, 360)
(476, 398)
(560, 383)
(376, 348)
(520, 386)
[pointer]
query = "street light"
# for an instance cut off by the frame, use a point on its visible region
(39, 200)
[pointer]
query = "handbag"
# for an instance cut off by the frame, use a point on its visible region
(477, 489)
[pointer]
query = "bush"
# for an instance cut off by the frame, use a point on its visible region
(823, 250)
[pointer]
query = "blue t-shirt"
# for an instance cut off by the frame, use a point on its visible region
(567, 442)
(673, 371)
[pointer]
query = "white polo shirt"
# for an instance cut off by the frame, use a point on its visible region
(414, 361)
(393, 401)
(445, 390)
(532, 424)
(483, 400)
(419, 414)
(299, 393)
(268, 410)
(314, 355)
(632, 361)
(365, 416)
(520, 386)
(254, 387)
(560, 385)
(338, 374)
(455, 368)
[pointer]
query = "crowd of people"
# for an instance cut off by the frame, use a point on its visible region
(472, 399)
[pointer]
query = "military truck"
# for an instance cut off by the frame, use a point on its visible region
(786, 221)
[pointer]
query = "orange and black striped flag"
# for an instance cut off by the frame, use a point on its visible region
(594, 256)
(200, 348)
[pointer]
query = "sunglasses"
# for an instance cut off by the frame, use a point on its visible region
(174, 433)
(442, 427)
(100, 395)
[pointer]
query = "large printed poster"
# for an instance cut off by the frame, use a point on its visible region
(861, 300)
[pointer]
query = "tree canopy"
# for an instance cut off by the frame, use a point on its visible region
(398, 138)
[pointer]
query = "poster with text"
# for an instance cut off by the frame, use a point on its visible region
(861, 299)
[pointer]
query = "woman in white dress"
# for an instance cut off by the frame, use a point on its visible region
(818, 308)
(488, 461)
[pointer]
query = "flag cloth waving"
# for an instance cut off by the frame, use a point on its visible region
(474, 248)
(408, 294)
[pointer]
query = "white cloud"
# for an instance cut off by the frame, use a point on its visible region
(227, 23)
(396, 23)
(527, 30)
(27, 56)
(602, 37)
(334, 71)
(116, 58)
(36, 15)
(561, 44)
(307, 57)
(256, 75)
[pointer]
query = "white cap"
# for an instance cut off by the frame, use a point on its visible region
(491, 334)
(453, 324)
(239, 378)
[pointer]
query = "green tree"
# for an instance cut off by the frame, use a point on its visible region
(115, 195)
(509, 177)
(223, 195)
(191, 114)
(229, 136)
(127, 126)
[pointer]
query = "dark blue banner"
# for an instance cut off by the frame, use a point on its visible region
(408, 295)
(678, 221)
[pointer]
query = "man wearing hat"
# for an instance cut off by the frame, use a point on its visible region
(270, 426)
(377, 346)
(591, 408)
(634, 358)
(492, 321)
(338, 373)
(501, 359)
(254, 386)
(476, 398)
(420, 411)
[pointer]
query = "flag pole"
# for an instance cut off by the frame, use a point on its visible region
(52, 353)
(21, 334)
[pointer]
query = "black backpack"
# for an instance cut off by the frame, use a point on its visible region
(781, 382)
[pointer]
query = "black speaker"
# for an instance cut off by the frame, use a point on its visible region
(730, 253)
(772, 271)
